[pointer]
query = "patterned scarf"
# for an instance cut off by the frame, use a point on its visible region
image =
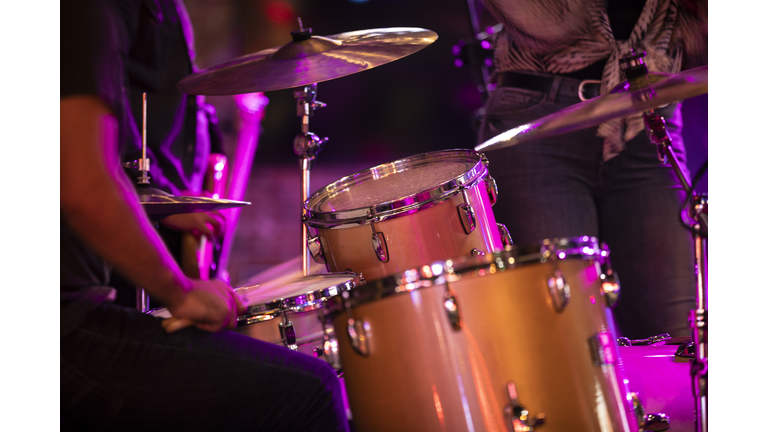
(561, 36)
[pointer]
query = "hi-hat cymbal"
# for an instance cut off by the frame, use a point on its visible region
(306, 60)
(158, 204)
(677, 87)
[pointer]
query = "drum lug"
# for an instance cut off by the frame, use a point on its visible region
(477, 252)
(316, 249)
(600, 346)
(559, 291)
(493, 189)
(452, 308)
(506, 239)
(519, 417)
(359, 336)
(651, 421)
(610, 287)
(288, 335)
(467, 214)
(380, 246)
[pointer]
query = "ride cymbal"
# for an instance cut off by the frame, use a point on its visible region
(676, 87)
(306, 60)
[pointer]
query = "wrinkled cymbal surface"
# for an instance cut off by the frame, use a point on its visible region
(317, 59)
(677, 87)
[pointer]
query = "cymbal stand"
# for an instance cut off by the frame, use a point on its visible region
(634, 69)
(656, 129)
(306, 145)
(142, 299)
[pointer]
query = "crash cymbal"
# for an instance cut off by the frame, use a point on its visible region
(676, 87)
(306, 60)
(158, 204)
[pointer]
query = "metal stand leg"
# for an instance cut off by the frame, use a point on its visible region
(656, 129)
(142, 300)
(306, 145)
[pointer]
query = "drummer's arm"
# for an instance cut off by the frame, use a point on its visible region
(101, 205)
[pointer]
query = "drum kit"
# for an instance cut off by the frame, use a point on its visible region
(433, 318)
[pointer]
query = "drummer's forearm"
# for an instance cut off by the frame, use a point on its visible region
(101, 205)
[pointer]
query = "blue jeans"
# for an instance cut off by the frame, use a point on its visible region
(120, 371)
(560, 187)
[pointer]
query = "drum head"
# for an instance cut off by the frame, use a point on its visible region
(396, 187)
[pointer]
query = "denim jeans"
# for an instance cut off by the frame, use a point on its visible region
(120, 371)
(560, 187)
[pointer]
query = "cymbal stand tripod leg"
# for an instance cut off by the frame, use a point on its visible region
(656, 129)
(306, 145)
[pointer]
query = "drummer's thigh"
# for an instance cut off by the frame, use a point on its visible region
(547, 187)
(651, 250)
(190, 380)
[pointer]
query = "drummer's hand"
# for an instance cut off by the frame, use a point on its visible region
(210, 224)
(210, 305)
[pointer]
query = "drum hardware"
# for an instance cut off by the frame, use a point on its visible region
(452, 308)
(559, 290)
(467, 214)
(647, 341)
(634, 68)
(519, 417)
(493, 188)
(506, 239)
(288, 333)
(477, 252)
(686, 350)
(379, 244)
(610, 287)
(601, 349)
(651, 421)
(316, 249)
(357, 331)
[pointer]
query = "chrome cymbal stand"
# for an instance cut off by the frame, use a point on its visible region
(142, 299)
(306, 145)
(655, 126)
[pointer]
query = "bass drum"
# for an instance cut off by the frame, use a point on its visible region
(662, 382)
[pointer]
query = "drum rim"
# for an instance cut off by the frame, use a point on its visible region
(305, 302)
(401, 206)
(469, 266)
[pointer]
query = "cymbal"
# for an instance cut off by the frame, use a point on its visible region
(158, 204)
(306, 60)
(676, 87)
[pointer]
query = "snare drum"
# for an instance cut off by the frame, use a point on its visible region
(288, 314)
(406, 213)
(499, 342)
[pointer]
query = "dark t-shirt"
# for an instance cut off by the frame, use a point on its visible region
(117, 50)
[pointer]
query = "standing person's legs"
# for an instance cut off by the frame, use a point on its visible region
(121, 371)
(651, 250)
(547, 187)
